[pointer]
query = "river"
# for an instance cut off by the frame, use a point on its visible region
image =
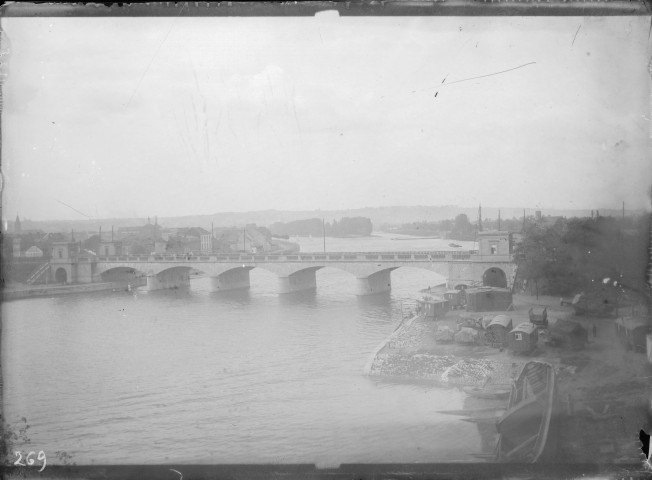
(191, 376)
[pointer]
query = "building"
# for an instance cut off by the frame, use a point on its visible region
(111, 248)
(33, 252)
(61, 250)
(496, 242)
(248, 239)
(432, 307)
(206, 243)
(16, 243)
(17, 227)
(488, 299)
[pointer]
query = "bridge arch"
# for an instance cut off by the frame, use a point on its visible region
(61, 275)
(121, 274)
(494, 277)
(173, 277)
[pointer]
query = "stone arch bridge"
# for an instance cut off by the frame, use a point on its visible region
(296, 272)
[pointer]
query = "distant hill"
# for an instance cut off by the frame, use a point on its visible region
(379, 216)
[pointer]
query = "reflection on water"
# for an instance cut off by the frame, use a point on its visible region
(190, 375)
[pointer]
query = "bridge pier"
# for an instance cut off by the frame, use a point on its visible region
(231, 280)
(375, 283)
(298, 281)
(168, 279)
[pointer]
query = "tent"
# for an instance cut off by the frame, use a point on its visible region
(523, 338)
(498, 330)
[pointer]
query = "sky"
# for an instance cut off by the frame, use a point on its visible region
(135, 117)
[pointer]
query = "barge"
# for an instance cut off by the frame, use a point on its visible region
(525, 428)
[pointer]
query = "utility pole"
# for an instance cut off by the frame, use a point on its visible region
(480, 218)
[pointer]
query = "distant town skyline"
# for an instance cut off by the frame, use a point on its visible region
(136, 117)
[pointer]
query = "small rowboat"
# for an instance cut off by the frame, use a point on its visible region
(488, 392)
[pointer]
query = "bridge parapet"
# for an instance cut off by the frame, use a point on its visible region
(416, 256)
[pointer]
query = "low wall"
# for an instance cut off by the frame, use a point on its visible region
(46, 291)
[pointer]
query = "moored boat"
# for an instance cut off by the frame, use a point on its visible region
(524, 429)
(493, 392)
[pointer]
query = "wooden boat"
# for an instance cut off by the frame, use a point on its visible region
(525, 427)
(491, 392)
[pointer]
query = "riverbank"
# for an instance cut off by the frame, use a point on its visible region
(602, 388)
(16, 292)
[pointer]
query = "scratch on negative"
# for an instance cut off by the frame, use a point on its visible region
(153, 57)
(474, 78)
(578, 31)
(487, 75)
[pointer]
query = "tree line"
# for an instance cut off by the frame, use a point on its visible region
(580, 254)
(460, 228)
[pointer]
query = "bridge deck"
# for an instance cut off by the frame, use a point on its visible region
(417, 256)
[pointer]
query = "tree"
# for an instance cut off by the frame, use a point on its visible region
(462, 228)
(580, 253)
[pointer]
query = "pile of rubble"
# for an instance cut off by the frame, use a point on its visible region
(413, 366)
(469, 371)
(409, 336)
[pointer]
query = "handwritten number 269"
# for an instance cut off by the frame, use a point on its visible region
(30, 461)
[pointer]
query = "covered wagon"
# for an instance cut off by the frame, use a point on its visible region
(498, 330)
(523, 338)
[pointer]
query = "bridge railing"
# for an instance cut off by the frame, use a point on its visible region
(416, 256)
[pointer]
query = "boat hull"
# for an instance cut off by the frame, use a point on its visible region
(526, 429)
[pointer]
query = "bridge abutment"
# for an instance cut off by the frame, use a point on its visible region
(299, 281)
(168, 279)
(375, 283)
(231, 280)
